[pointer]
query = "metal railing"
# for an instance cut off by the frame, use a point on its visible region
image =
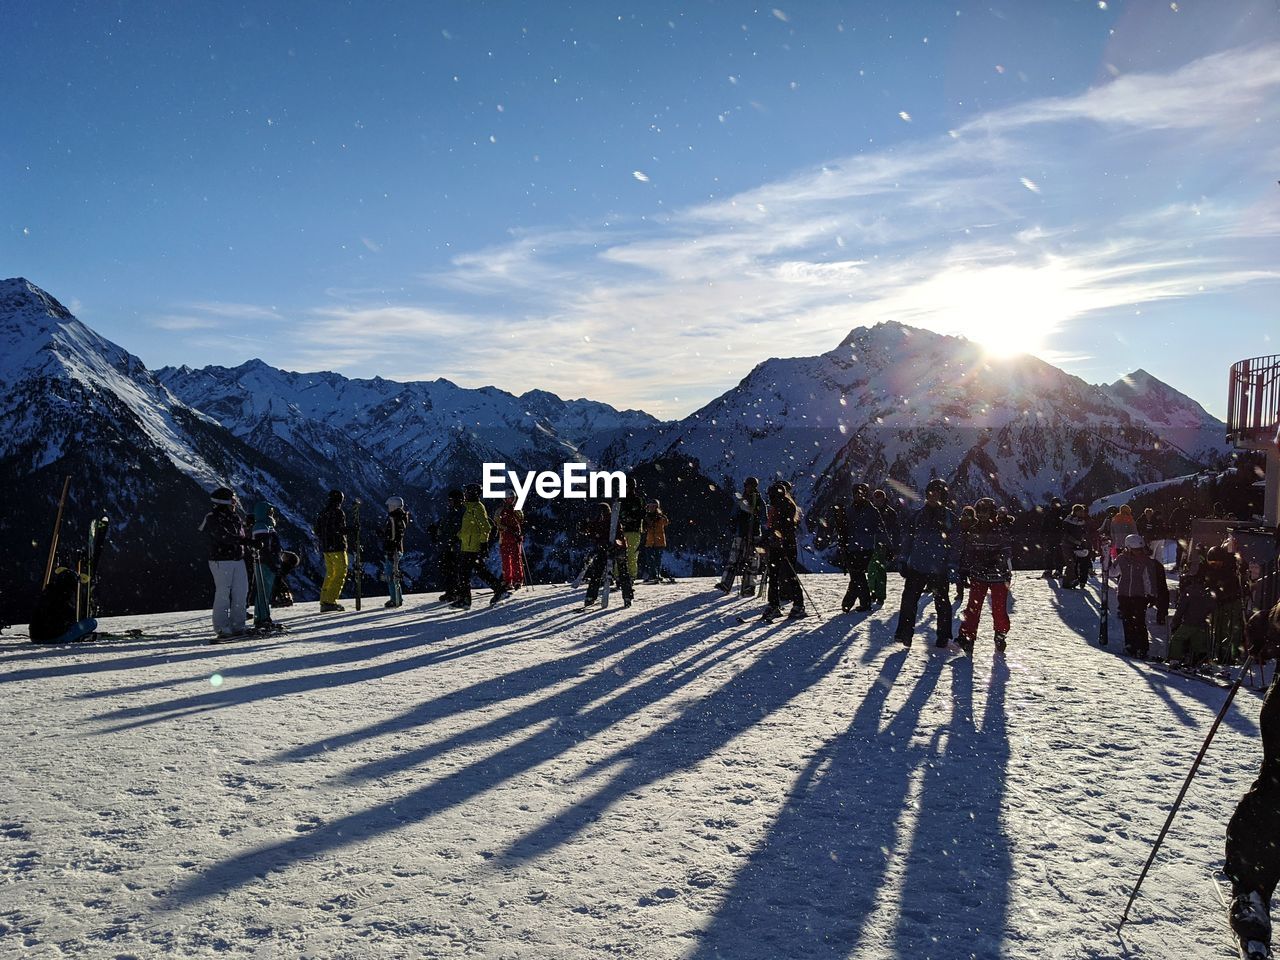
(1253, 401)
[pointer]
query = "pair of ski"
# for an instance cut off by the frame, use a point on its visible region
(273, 630)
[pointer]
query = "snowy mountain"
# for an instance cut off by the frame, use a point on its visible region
(896, 405)
(1176, 417)
(73, 403)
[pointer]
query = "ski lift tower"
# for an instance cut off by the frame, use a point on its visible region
(1253, 422)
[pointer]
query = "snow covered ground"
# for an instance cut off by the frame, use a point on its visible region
(659, 782)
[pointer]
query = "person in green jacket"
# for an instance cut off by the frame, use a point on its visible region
(474, 539)
(631, 523)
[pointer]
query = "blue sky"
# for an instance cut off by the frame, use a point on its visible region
(639, 203)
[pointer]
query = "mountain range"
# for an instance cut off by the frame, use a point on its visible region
(890, 404)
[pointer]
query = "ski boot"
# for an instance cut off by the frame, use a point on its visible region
(1251, 925)
(499, 594)
(460, 605)
(331, 608)
(1001, 642)
(626, 602)
(904, 640)
(446, 598)
(966, 643)
(942, 643)
(722, 587)
(771, 613)
(797, 613)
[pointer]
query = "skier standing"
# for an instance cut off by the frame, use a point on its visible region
(1140, 583)
(1055, 516)
(274, 563)
(631, 523)
(1075, 550)
(510, 522)
(861, 534)
(882, 557)
(655, 542)
(448, 538)
(783, 552)
(1190, 630)
(473, 538)
(224, 527)
(929, 553)
(1224, 572)
(331, 532)
(392, 532)
(744, 558)
(1253, 835)
(606, 553)
(988, 562)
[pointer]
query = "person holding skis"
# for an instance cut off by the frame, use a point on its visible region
(782, 548)
(607, 553)
(224, 527)
(273, 564)
(1140, 583)
(882, 557)
(510, 523)
(331, 533)
(861, 534)
(1253, 835)
(392, 533)
(655, 541)
(1077, 556)
(744, 558)
(929, 554)
(473, 539)
(54, 618)
(449, 544)
(987, 558)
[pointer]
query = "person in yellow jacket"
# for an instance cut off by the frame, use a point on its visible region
(654, 542)
(474, 537)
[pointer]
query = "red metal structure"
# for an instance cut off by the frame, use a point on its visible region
(1253, 420)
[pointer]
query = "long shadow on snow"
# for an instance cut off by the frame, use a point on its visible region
(812, 884)
(581, 711)
(230, 695)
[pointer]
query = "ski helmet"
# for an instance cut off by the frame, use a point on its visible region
(336, 496)
(262, 511)
(394, 504)
(753, 482)
(1134, 541)
(223, 496)
(861, 490)
(985, 505)
(471, 491)
(455, 495)
(937, 486)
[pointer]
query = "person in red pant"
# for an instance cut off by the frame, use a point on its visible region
(511, 543)
(988, 560)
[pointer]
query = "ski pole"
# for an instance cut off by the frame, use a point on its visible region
(1177, 804)
(57, 526)
(808, 598)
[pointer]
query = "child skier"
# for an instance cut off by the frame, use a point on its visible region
(392, 533)
(987, 559)
(744, 558)
(273, 564)
(224, 527)
(861, 534)
(882, 557)
(1191, 631)
(331, 532)
(511, 543)
(1140, 583)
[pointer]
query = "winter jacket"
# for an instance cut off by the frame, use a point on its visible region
(631, 516)
(892, 529)
(1137, 575)
(784, 524)
(511, 524)
(331, 529)
(475, 528)
(1121, 527)
(1149, 528)
(597, 533)
(1224, 583)
(1051, 528)
(450, 527)
(392, 532)
(1075, 535)
(225, 530)
(1196, 603)
(748, 515)
(930, 541)
(863, 528)
(655, 529)
(987, 553)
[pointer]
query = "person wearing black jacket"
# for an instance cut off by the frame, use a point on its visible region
(784, 582)
(861, 531)
(746, 521)
(606, 551)
(224, 527)
(1055, 516)
(448, 531)
(1077, 555)
(331, 532)
(392, 532)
